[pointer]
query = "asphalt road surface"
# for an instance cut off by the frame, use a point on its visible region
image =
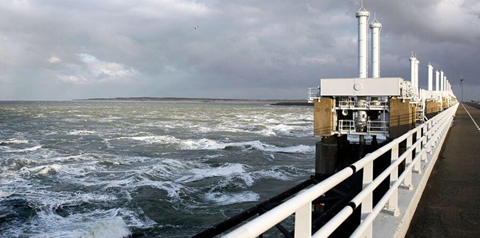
(450, 204)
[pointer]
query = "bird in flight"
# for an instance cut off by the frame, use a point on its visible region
(196, 27)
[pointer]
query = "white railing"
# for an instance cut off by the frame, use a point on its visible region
(346, 104)
(429, 136)
(313, 93)
(377, 126)
(379, 105)
(373, 127)
(346, 126)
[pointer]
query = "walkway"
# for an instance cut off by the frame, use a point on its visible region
(450, 204)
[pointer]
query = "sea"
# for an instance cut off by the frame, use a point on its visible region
(144, 169)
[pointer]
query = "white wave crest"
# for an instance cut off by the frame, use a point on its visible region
(81, 132)
(232, 198)
(49, 169)
(25, 150)
(97, 224)
(207, 144)
(109, 228)
(228, 171)
(154, 139)
(284, 173)
(272, 174)
(13, 141)
(41, 170)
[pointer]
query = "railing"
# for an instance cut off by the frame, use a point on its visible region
(346, 104)
(428, 136)
(373, 127)
(379, 105)
(346, 126)
(377, 127)
(313, 93)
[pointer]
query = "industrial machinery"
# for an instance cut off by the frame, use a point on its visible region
(366, 111)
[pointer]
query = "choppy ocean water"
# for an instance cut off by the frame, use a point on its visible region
(145, 169)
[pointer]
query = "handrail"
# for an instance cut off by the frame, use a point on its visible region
(269, 219)
(426, 134)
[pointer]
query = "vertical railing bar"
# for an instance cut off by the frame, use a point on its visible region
(407, 183)
(303, 221)
(392, 205)
(367, 203)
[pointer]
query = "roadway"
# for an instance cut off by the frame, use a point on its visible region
(450, 204)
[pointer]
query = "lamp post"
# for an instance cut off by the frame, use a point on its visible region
(461, 83)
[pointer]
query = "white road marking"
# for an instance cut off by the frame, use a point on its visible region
(471, 118)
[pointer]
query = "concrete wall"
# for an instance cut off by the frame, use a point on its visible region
(401, 117)
(323, 117)
(432, 108)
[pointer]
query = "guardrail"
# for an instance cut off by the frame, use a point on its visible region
(373, 127)
(313, 93)
(427, 136)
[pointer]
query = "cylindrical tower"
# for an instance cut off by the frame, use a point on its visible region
(412, 69)
(437, 80)
(441, 80)
(430, 77)
(362, 15)
(416, 73)
(445, 84)
(376, 28)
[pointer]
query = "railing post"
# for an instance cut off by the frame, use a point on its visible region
(417, 167)
(303, 221)
(407, 182)
(392, 205)
(367, 203)
(435, 136)
(418, 149)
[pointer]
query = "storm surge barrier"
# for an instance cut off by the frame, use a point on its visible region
(391, 215)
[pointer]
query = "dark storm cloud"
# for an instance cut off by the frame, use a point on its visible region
(241, 49)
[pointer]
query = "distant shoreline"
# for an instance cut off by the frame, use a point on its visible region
(276, 102)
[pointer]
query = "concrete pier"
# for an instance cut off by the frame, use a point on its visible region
(450, 204)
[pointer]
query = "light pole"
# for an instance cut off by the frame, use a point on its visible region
(461, 83)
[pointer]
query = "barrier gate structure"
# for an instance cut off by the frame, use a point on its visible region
(392, 214)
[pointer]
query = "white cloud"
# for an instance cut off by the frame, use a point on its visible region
(95, 70)
(71, 79)
(53, 60)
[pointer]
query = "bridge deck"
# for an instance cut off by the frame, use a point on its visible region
(450, 204)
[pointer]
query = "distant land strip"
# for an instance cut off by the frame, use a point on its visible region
(277, 102)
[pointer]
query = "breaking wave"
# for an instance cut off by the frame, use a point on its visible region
(94, 169)
(207, 144)
(222, 199)
(13, 141)
(34, 148)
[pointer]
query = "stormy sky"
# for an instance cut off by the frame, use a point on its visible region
(269, 49)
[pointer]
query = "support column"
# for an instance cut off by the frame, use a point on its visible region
(412, 69)
(441, 80)
(416, 75)
(376, 27)
(326, 155)
(430, 77)
(362, 15)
